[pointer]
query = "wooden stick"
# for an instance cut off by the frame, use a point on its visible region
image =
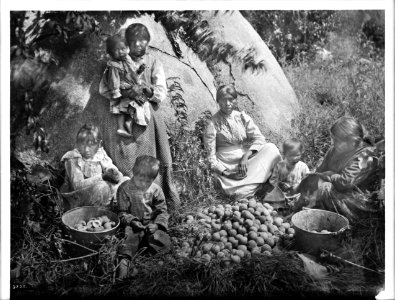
(349, 262)
(74, 258)
(78, 245)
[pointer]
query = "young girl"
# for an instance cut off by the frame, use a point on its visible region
(91, 177)
(289, 172)
(119, 75)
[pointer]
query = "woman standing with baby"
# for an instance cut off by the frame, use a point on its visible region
(150, 89)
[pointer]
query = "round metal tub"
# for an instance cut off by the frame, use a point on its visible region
(86, 238)
(309, 220)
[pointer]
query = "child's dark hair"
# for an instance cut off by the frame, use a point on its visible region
(146, 165)
(89, 130)
(309, 184)
(292, 144)
(137, 29)
(112, 42)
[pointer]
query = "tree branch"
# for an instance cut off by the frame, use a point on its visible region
(194, 70)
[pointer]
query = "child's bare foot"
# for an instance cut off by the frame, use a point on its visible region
(124, 266)
(124, 133)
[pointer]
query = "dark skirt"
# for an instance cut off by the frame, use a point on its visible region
(147, 140)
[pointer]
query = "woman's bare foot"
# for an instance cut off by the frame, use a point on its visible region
(124, 133)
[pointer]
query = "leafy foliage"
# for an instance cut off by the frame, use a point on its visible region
(195, 32)
(329, 91)
(41, 46)
(191, 171)
(292, 35)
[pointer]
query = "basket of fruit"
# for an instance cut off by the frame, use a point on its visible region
(89, 225)
(317, 229)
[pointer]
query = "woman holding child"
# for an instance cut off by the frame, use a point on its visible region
(238, 152)
(126, 138)
(347, 170)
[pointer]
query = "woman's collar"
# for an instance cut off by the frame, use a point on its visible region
(138, 59)
(226, 116)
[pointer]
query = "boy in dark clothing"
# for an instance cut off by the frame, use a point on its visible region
(143, 211)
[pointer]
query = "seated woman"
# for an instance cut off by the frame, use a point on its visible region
(346, 172)
(91, 177)
(237, 151)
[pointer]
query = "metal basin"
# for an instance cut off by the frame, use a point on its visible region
(86, 238)
(309, 220)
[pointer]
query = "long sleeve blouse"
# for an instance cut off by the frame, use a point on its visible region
(350, 170)
(225, 132)
(139, 206)
(81, 173)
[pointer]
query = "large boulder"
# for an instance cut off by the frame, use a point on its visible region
(266, 96)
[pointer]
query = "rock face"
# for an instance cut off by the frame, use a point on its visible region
(266, 96)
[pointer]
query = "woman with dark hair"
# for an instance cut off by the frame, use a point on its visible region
(238, 152)
(346, 172)
(146, 140)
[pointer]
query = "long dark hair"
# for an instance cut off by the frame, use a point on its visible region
(348, 128)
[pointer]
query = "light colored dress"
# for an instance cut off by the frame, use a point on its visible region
(291, 177)
(84, 184)
(122, 75)
(227, 138)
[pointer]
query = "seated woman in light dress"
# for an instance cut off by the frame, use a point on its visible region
(237, 151)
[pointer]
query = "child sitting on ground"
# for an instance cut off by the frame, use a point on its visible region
(118, 76)
(143, 212)
(308, 189)
(91, 177)
(289, 172)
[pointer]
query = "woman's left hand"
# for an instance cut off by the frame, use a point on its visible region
(325, 175)
(152, 228)
(243, 166)
(236, 176)
(148, 90)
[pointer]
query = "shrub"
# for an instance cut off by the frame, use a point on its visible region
(329, 91)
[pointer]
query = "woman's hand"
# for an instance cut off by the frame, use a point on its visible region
(285, 187)
(132, 92)
(235, 175)
(243, 165)
(152, 228)
(140, 100)
(147, 90)
(325, 175)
